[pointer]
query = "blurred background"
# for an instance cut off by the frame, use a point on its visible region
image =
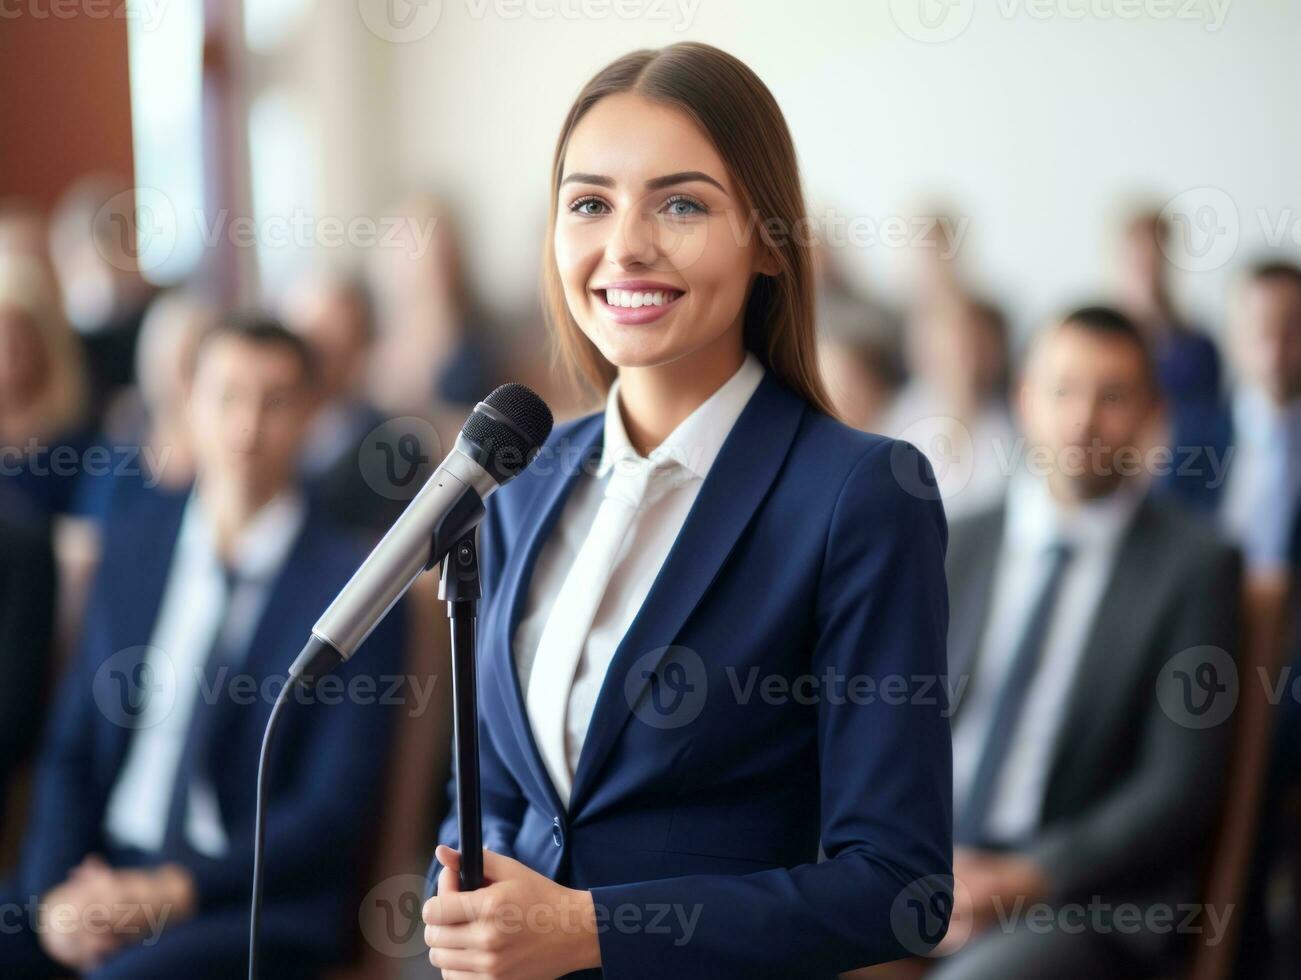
(374, 174)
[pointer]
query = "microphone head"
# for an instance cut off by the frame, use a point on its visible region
(507, 429)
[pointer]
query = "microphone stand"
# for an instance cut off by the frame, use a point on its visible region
(459, 584)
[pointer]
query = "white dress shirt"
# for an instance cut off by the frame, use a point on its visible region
(686, 457)
(184, 634)
(1035, 521)
(1264, 480)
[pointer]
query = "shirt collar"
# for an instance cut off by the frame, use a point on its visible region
(1036, 519)
(261, 547)
(698, 438)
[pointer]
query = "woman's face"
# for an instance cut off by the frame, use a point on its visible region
(653, 245)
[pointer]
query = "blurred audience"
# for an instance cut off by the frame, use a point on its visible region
(333, 315)
(1187, 360)
(1079, 608)
(862, 376)
(44, 426)
(433, 349)
(1264, 473)
(147, 428)
(954, 405)
(1262, 509)
(144, 801)
(23, 233)
(27, 604)
(93, 244)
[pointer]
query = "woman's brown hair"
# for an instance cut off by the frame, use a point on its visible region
(739, 115)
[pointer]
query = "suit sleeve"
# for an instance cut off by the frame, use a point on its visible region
(66, 807)
(27, 597)
(886, 787)
(502, 801)
(1167, 803)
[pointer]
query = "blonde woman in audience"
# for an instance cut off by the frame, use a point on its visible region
(43, 423)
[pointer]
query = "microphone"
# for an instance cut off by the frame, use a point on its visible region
(498, 441)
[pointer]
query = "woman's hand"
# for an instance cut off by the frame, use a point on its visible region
(520, 925)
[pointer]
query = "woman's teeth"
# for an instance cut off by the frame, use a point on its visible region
(632, 300)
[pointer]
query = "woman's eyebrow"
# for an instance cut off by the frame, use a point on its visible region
(654, 184)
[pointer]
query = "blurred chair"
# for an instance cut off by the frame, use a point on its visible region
(413, 803)
(1265, 615)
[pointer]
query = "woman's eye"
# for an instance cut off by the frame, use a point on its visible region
(683, 207)
(588, 205)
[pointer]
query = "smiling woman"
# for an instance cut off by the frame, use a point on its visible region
(644, 814)
(680, 158)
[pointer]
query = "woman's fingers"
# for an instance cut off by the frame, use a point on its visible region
(461, 935)
(449, 881)
(471, 961)
(448, 857)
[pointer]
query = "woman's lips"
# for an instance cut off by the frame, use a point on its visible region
(636, 314)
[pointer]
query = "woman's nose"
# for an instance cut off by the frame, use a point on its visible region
(632, 241)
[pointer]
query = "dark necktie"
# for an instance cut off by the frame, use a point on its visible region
(970, 826)
(195, 757)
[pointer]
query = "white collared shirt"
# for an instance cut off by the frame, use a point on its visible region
(693, 447)
(185, 632)
(1265, 479)
(1035, 520)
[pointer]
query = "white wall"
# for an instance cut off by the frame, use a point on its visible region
(1037, 120)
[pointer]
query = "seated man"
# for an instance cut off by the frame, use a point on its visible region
(1090, 641)
(138, 856)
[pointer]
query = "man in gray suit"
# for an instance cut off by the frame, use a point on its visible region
(1090, 649)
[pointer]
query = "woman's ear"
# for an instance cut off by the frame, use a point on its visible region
(767, 263)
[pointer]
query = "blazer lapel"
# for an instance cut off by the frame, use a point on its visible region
(1110, 652)
(137, 597)
(737, 483)
(588, 437)
(971, 578)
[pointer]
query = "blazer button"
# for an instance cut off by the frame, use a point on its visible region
(557, 835)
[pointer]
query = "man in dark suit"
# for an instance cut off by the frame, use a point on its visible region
(27, 600)
(138, 859)
(1090, 649)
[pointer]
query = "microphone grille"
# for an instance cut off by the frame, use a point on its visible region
(525, 409)
(507, 444)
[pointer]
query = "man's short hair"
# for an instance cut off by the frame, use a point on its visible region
(1274, 272)
(262, 330)
(1109, 323)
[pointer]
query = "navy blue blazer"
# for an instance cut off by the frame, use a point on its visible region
(780, 688)
(326, 763)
